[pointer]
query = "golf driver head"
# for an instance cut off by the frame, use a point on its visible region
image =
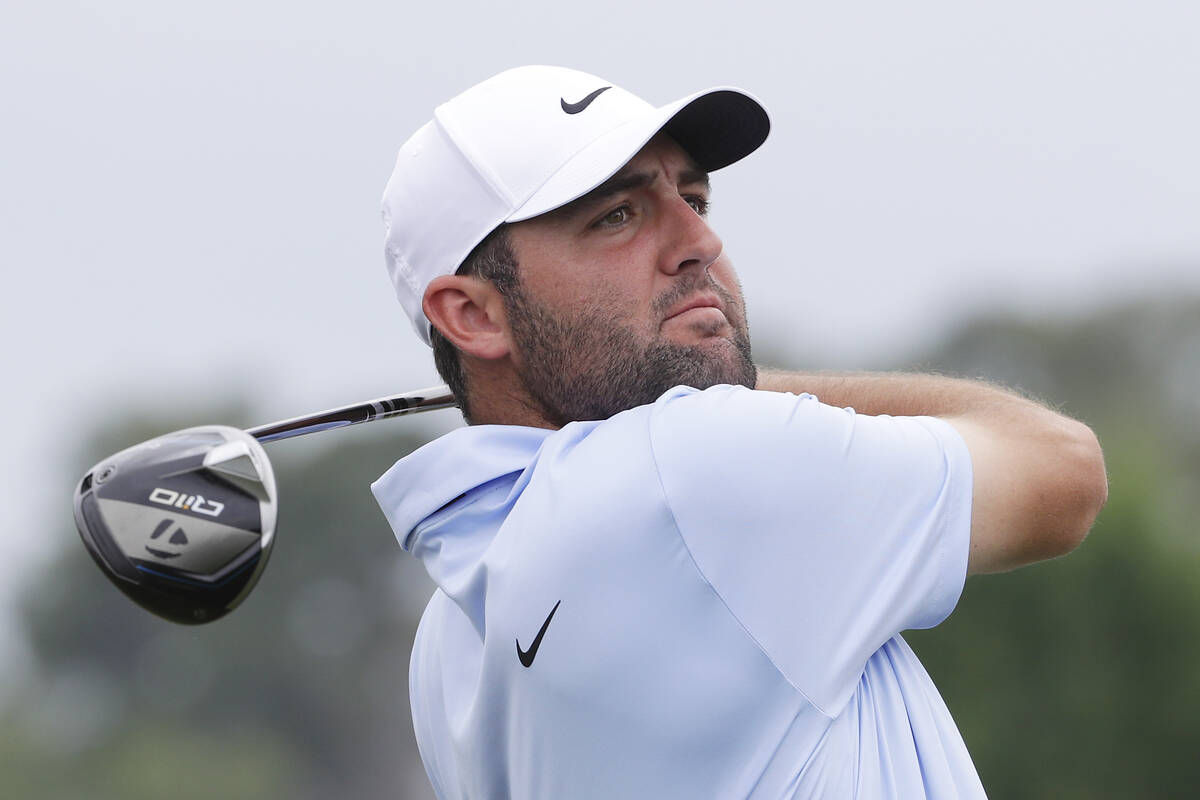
(182, 524)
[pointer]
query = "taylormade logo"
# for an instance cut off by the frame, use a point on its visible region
(188, 502)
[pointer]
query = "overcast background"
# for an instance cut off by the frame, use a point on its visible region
(189, 192)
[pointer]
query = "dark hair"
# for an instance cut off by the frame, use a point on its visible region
(494, 261)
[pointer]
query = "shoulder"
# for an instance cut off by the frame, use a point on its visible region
(734, 415)
(739, 407)
(712, 421)
(715, 397)
(785, 445)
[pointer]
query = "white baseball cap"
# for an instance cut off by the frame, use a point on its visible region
(525, 142)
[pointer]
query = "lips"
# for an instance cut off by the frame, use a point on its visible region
(699, 301)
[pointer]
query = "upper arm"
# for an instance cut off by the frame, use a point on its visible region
(1039, 482)
(824, 532)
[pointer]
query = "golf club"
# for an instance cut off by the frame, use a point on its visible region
(184, 523)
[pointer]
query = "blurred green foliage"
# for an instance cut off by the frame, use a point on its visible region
(1078, 678)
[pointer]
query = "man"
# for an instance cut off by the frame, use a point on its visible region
(661, 571)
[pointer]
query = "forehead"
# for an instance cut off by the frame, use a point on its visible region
(662, 148)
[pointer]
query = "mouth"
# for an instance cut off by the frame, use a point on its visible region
(697, 306)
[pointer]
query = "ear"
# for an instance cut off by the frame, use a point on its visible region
(469, 312)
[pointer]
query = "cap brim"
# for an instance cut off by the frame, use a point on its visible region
(716, 127)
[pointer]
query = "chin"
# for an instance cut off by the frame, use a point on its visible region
(719, 360)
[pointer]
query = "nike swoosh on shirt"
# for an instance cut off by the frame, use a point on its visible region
(575, 108)
(526, 656)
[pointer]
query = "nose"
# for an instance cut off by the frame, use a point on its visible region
(690, 241)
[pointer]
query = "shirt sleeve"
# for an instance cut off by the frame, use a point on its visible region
(824, 532)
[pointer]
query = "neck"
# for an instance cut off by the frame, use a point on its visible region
(497, 397)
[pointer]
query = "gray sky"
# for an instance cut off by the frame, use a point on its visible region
(189, 193)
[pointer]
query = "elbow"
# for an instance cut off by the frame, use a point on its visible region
(1083, 487)
(1042, 503)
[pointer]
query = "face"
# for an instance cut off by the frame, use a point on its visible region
(625, 293)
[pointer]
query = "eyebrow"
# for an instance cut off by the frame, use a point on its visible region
(627, 181)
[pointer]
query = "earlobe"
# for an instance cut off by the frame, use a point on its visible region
(469, 312)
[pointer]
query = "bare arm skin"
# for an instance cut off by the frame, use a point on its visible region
(1039, 476)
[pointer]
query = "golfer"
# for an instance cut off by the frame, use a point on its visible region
(661, 571)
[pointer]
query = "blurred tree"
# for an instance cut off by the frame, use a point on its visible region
(1080, 678)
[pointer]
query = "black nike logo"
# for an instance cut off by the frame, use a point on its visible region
(575, 108)
(527, 656)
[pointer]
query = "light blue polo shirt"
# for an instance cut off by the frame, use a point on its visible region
(701, 597)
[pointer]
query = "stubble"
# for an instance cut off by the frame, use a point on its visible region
(590, 365)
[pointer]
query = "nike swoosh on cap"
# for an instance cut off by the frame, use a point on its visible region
(575, 108)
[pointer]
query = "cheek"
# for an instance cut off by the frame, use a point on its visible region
(617, 303)
(605, 290)
(613, 285)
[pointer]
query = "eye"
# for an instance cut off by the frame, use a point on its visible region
(699, 204)
(617, 217)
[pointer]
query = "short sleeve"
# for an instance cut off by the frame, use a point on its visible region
(824, 532)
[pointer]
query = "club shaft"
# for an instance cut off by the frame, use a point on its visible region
(414, 402)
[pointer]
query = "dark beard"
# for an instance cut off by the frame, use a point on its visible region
(586, 367)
